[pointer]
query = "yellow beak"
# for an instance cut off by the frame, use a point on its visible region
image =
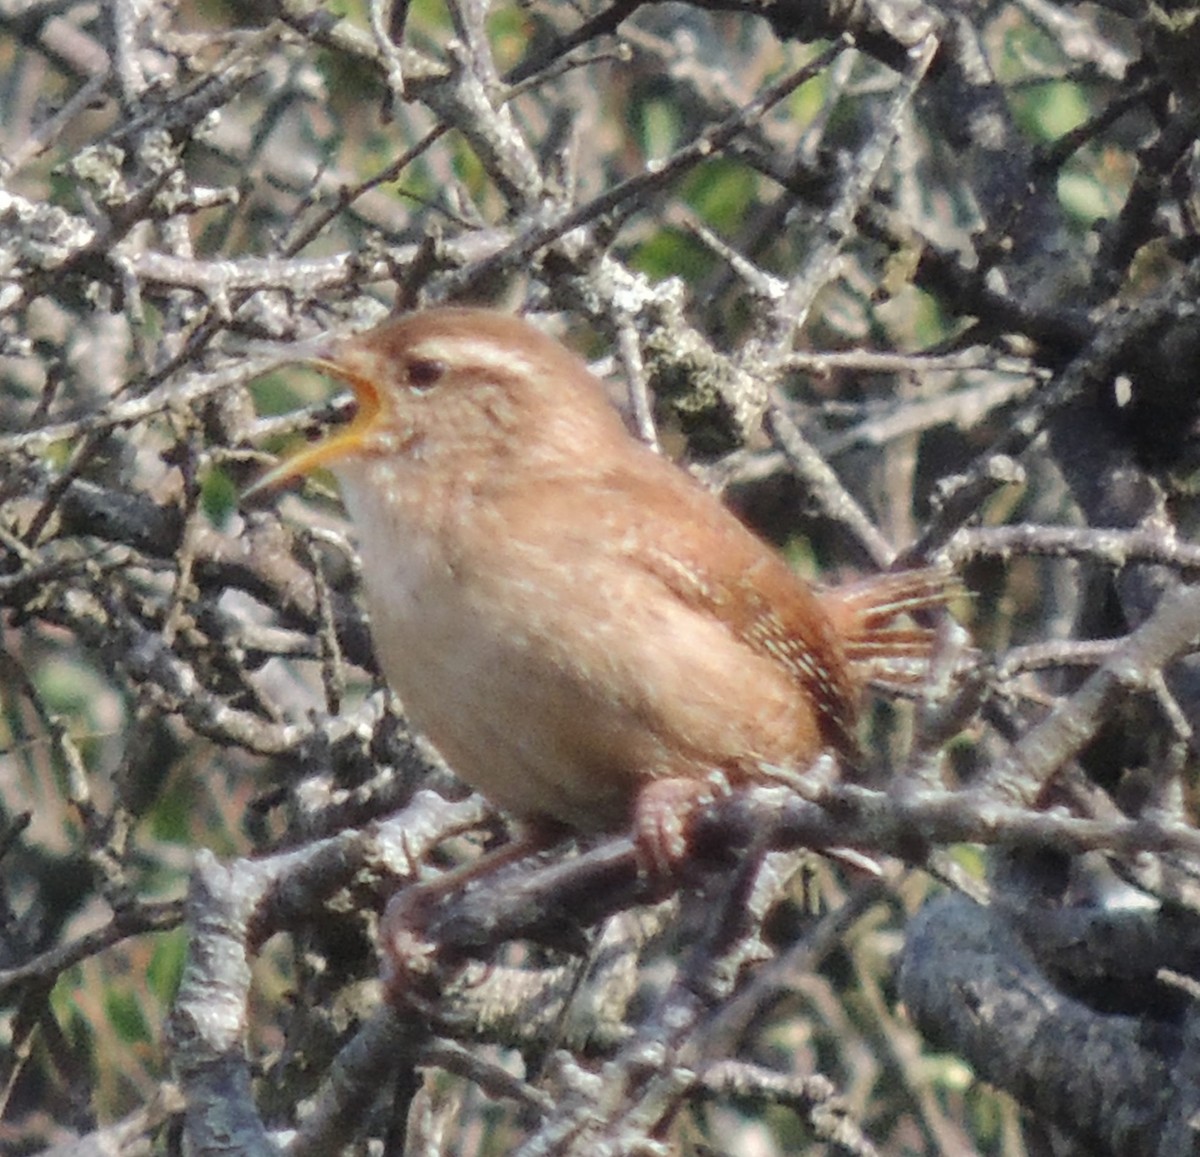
(337, 444)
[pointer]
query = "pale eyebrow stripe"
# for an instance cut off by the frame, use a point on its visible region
(476, 352)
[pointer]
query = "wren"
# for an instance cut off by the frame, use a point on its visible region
(584, 632)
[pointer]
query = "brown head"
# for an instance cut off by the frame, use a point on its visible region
(456, 389)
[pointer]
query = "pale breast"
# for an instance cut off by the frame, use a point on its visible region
(475, 683)
(554, 683)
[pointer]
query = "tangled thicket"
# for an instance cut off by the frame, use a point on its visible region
(907, 280)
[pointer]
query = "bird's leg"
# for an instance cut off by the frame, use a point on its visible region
(409, 957)
(665, 811)
(663, 814)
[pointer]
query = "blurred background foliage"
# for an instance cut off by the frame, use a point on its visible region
(149, 151)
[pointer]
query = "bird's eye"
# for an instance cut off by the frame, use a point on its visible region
(424, 373)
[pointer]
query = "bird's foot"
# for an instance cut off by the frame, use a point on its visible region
(412, 960)
(662, 821)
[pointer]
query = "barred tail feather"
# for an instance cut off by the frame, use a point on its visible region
(904, 641)
(881, 652)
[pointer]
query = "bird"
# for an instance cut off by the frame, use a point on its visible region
(587, 635)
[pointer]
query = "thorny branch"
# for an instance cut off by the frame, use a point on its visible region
(967, 321)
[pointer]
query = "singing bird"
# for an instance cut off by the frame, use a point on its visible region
(584, 632)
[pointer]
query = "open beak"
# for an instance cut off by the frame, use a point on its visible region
(339, 443)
